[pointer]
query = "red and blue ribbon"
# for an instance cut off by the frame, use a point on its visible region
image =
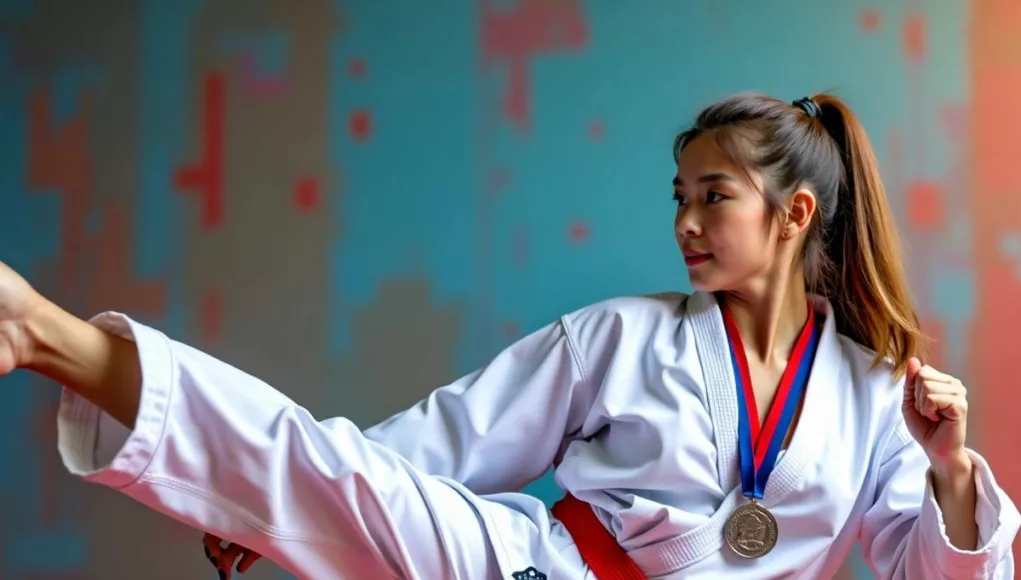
(760, 444)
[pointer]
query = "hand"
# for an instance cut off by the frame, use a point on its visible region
(17, 300)
(935, 409)
(223, 559)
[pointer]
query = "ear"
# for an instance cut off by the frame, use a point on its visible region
(799, 213)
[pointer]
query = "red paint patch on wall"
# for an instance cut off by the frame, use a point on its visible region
(114, 285)
(869, 19)
(596, 130)
(914, 37)
(925, 206)
(360, 125)
(356, 68)
(58, 159)
(515, 36)
(579, 232)
(307, 195)
(205, 178)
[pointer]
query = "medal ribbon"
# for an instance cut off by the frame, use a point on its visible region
(760, 445)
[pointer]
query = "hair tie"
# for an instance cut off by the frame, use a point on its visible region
(807, 105)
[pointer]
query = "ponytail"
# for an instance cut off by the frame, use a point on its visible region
(867, 285)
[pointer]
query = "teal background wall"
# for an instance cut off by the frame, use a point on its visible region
(360, 200)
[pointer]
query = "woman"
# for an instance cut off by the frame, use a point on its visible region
(758, 428)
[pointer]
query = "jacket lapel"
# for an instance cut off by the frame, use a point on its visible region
(806, 442)
(718, 374)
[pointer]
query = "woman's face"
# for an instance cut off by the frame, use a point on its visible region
(723, 225)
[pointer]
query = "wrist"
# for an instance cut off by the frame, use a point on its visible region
(46, 328)
(35, 330)
(953, 470)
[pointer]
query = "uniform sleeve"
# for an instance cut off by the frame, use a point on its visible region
(903, 535)
(502, 426)
(222, 451)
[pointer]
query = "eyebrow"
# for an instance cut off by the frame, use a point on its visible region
(708, 178)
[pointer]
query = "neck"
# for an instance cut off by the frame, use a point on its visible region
(770, 316)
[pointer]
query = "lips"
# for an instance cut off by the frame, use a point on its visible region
(693, 258)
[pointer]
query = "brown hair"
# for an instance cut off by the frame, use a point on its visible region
(852, 251)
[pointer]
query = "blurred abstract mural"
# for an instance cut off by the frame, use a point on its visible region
(358, 201)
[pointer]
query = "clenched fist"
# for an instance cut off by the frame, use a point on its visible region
(935, 408)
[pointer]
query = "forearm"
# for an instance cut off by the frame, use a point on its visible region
(97, 365)
(954, 488)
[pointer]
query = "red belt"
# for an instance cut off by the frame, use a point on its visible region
(602, 553)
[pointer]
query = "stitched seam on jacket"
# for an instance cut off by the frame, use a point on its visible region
(572, 346)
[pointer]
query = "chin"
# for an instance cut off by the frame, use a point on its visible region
(712, 276)
(701, 283)
(705, 288)
(710, 281)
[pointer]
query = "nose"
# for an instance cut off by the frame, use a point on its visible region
(686, 223)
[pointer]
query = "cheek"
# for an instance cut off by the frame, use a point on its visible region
(740, 233)
(754, 231)
(746, 250)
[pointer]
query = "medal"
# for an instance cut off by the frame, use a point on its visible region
(751, 530)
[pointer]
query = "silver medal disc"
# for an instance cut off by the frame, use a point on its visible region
(751, 531)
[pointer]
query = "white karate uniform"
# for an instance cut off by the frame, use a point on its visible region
(633, 401)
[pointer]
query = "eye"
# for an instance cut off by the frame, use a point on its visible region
(714, 197)
(679, 198)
